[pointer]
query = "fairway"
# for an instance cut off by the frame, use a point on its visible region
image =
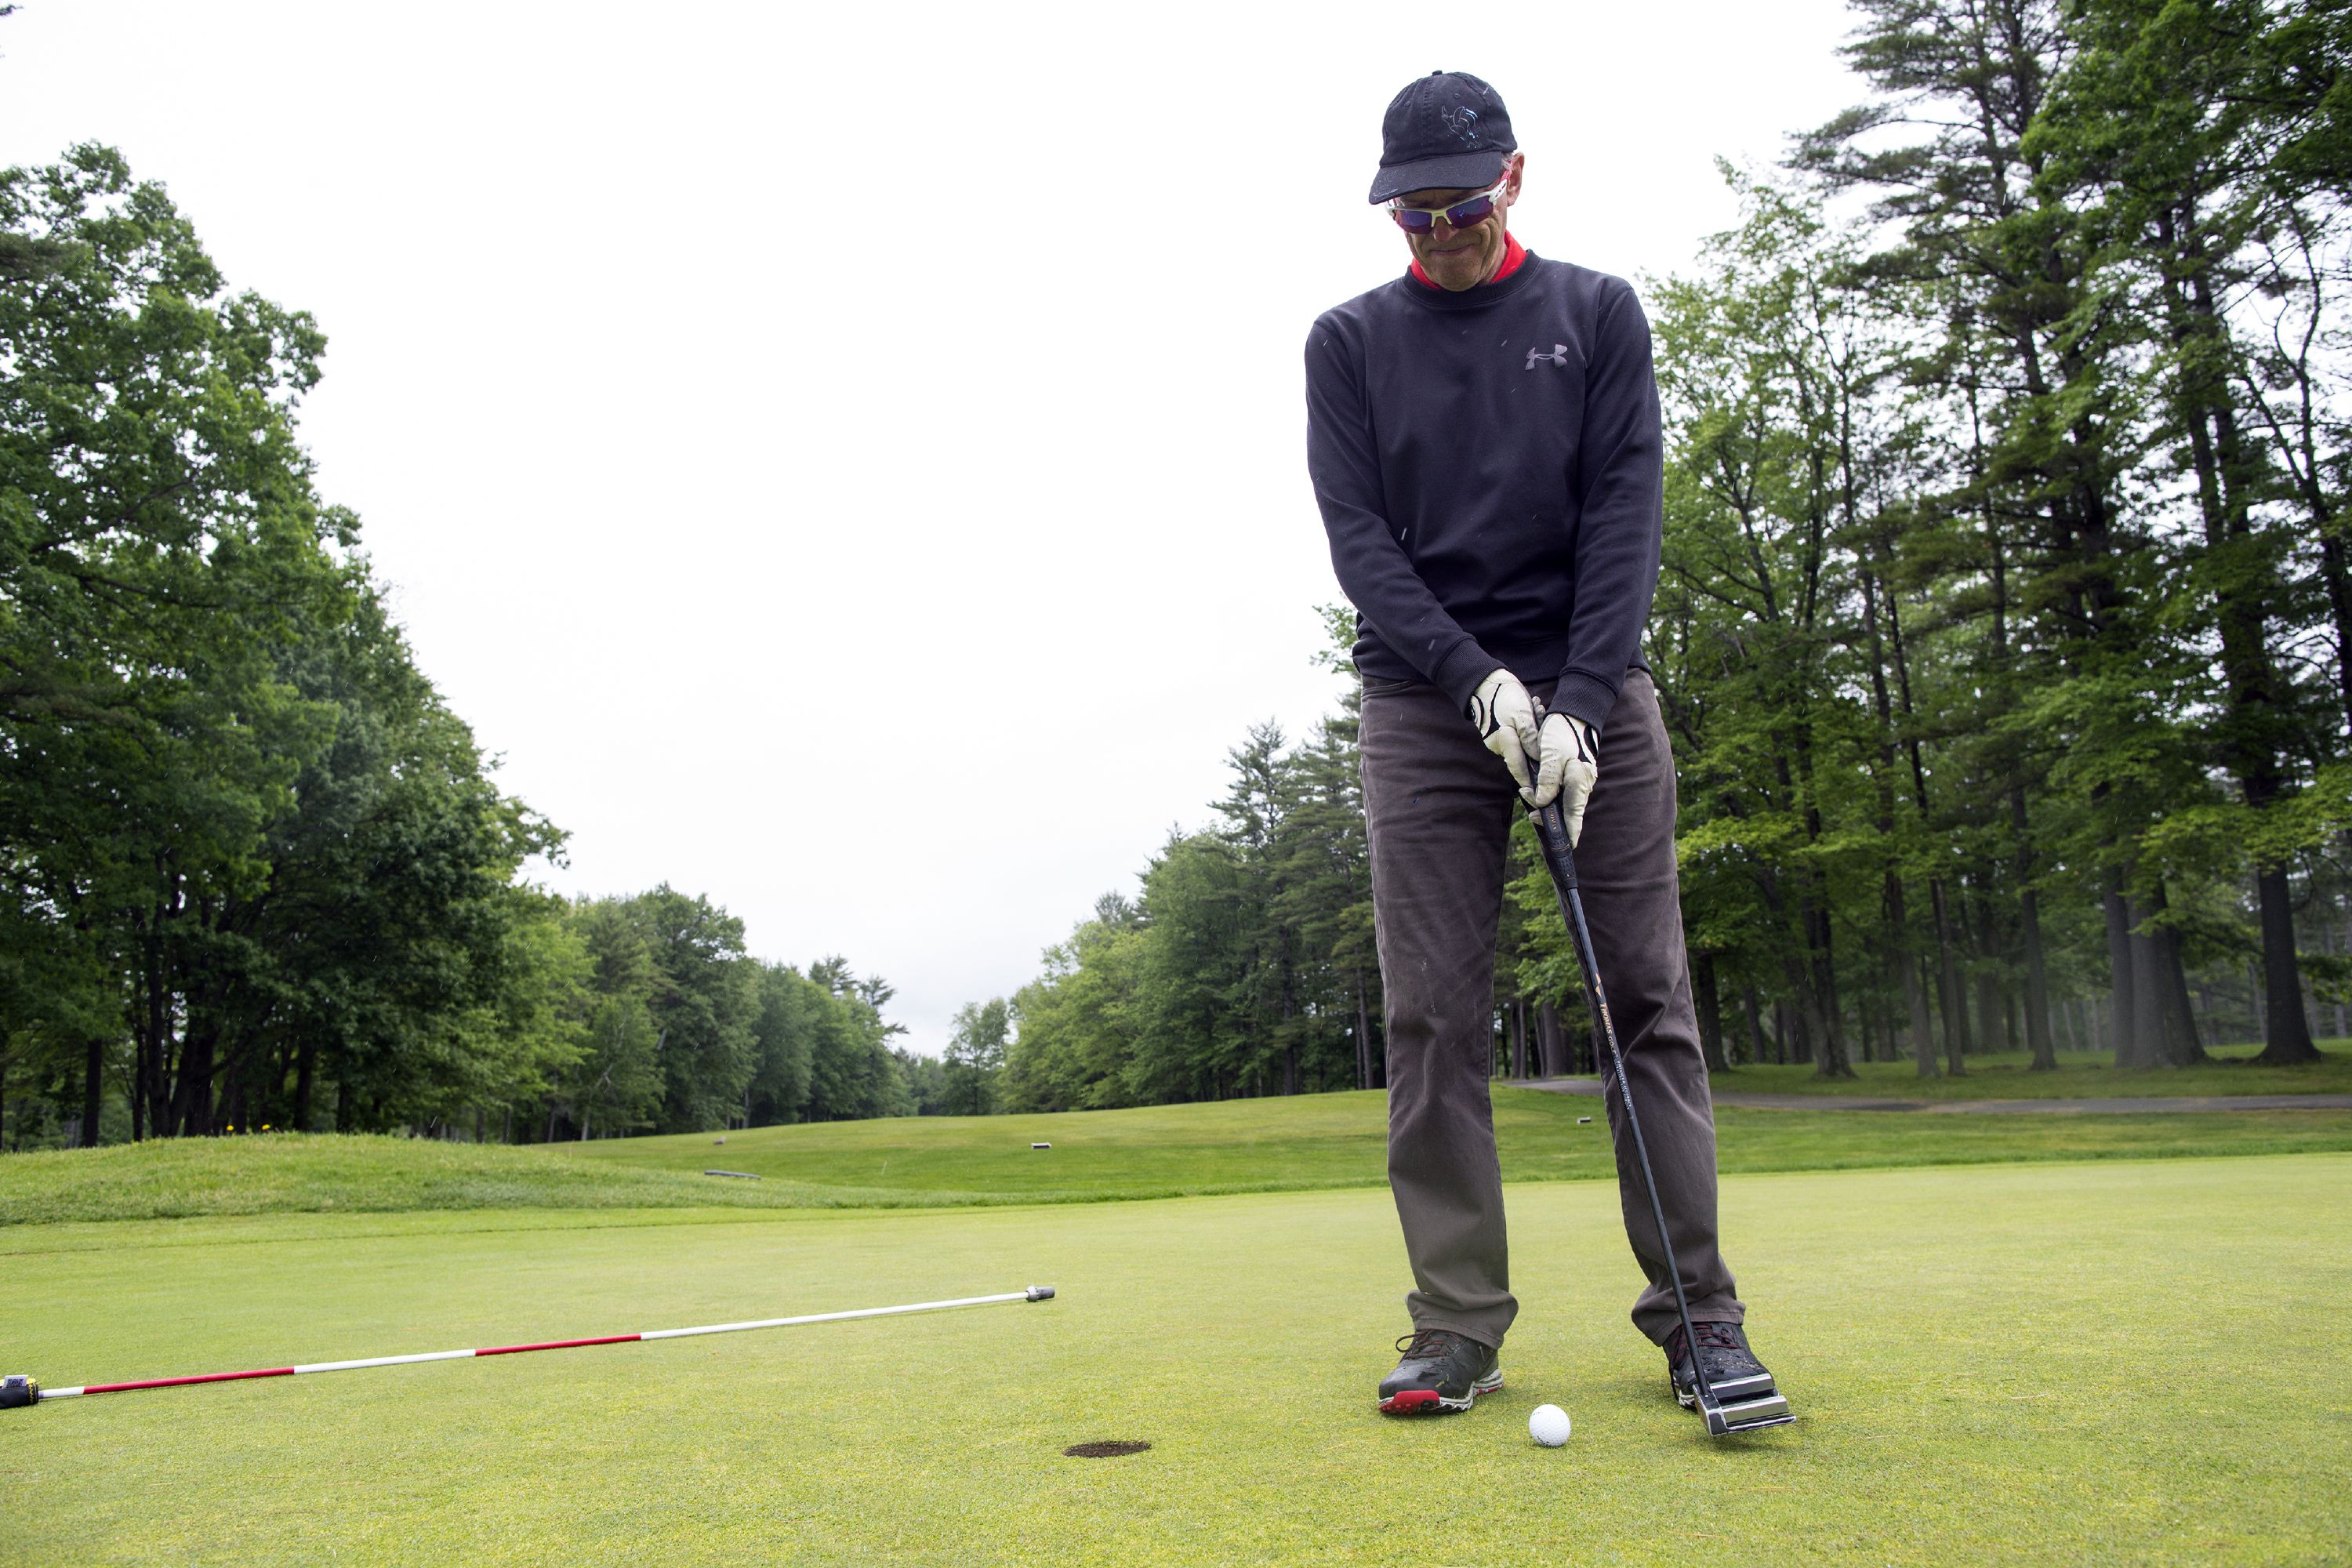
(1973, 1351)
(2078, 1074)
(1305, 1141)
(1285, 1143)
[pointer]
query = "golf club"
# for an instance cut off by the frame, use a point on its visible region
(19, 1392)
(1767, 1408)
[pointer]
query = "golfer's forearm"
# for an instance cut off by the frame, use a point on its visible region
(1620, 517)
(1373, 569)
(1389, 595)
(1616, 578)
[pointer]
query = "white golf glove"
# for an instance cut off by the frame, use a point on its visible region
(1505, 717)
(1568, 763)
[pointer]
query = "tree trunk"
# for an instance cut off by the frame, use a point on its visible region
(159, 1038)
(1518, 1037)
(2225, 484)
(93, 1088)
(1989, 1010)
(1833, 1060)
(2123, 991)
(2160, 992)
(1914, 995)
(1363, 1037)
(191, 1100)
(1953, 1000)
(2028, 921)
(306, 1066)
(1710, 1012)
(2286, 1032)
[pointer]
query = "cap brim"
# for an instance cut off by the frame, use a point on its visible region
(1456, 171)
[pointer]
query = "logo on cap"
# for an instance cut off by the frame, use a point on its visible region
(1462, 121)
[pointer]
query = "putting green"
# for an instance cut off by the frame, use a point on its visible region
(2136, 1363)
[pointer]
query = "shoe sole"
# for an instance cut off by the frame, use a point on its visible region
(1430, 1402)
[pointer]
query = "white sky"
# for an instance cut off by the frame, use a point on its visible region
(850, 460)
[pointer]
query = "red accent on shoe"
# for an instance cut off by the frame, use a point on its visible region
(1406, 1401)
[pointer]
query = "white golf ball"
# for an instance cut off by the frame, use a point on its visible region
(1549, 1425)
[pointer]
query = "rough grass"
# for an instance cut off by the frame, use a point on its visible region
(2008, 1075)
(1294, 1144)
(1971, 1351)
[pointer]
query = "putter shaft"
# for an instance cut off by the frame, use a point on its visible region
(1551, 832)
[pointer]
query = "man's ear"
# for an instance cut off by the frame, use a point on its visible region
(1518, 168)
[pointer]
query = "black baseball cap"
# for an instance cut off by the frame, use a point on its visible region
(1448, 131)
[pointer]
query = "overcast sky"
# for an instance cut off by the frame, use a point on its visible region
(848, 461)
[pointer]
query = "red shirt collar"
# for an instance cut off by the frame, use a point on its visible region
(1513, 254)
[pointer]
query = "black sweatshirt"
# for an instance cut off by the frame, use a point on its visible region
(1488, 464)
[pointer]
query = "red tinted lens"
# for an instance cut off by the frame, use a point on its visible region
(1414, 221)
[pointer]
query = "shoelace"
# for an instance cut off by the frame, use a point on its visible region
(1427, 1342)
(1711, 1336)
(1717, 1335)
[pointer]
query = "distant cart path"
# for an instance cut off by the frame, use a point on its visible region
(2111, 1106)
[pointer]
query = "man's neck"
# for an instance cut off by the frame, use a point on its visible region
(1513, 254)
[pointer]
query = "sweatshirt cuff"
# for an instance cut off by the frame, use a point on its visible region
(1457, 674)
(1581, 696)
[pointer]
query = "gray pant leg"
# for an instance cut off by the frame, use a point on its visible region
(1625, 865)
(1437, 805)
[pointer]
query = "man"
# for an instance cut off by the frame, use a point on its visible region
(1482, 436)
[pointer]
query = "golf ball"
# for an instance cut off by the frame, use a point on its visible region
(1549, 1425)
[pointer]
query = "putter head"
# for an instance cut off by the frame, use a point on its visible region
(1041, 1292)
(17, 1391)
(1746, 1416)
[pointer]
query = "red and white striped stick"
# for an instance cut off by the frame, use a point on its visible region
(29, 1392)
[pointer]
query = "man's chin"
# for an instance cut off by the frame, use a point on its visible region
(1455, 273)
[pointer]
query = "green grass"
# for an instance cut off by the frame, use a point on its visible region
(2007, 1075)
(1337, 1139)
(1298, 1143)
(296, 1174)
(1971, 1351)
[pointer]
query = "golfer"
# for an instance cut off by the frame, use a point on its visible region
(1482, 436)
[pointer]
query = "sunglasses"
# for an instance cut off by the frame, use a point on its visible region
(1461, 215)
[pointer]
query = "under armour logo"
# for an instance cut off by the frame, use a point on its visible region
(1559, 355)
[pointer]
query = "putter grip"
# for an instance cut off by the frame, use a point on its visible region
(1551, 832)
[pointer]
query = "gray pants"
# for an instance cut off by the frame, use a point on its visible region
(1440, 807)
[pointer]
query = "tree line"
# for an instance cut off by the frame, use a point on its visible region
(256, 873)
(2004, 633)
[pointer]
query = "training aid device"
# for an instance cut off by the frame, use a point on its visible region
(17, 1392)
(1755, 1406)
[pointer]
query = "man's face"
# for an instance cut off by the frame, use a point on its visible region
(1459, 258)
